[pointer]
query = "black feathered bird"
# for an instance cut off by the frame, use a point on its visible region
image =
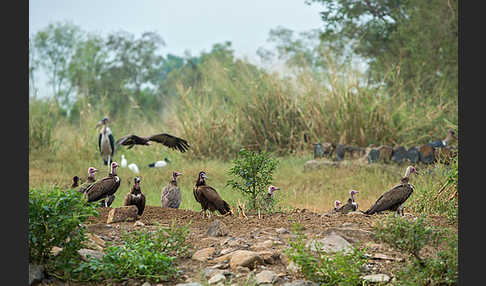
(167, 140)
(135, 197)
(208, 197)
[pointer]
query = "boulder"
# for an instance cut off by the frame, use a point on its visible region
(87, 254)
(266, 277)
(216, 279)
(263, 244)
(399, 155)
(203, 254)
(349, 233)
(245, 258)
(413, 155)
(36, 273)
(217, 228)
(374, 278)
(270, 257)
(125, 213)
(373, 155)
(385, 153)
(331, 243)
(426, 154)
(190, 284)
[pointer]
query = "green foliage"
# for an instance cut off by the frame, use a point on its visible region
(54, 220)
(254, 172)
(43, 117)
(412, 237)
(338, 268)
(142, 255)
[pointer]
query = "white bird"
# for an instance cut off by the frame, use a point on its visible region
(134, 168)
(123, 161)
(159, 164)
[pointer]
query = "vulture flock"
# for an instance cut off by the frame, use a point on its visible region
(104, 189)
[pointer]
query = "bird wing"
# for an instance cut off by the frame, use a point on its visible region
(212, 197)
(141, 204)
(112, 140)
(131, 139)
(99, 142)
(102, 188)
(170, 141)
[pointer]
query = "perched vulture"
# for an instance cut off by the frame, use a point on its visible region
(269, 198)
(166, 139)
(171, 194)
(351, 205)
(208, 197)
(106, 141)
(90, 180)
(442, 143)
(337, 203)
(75, 182)
(135, 197)
(124, 162)
(104, 188)
(393, 199)
(159, 164)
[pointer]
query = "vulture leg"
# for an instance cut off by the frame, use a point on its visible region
(209, 215)
(106, 203)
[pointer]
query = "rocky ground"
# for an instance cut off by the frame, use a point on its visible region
(238, 247)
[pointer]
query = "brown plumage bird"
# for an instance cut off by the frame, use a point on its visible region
(208, 197)
(75, 182)
(135, 197)
(171, 194)
(168, 140)
(104, 188)
(89, 181)
(393, 199)
(351, 205)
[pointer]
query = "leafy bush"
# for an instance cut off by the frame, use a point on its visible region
(411, 237)
(254, 171)
(42, 121)
(55, 217)
(326, 268)
(147, 255)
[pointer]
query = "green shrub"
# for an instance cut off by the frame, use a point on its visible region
(42, 121)
(254, 172)
(55, 217)
(412, 237)
(142, 255)
(338, 268)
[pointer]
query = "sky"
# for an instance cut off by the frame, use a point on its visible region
(184, 25)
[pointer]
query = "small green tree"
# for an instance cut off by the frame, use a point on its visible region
(254, 172)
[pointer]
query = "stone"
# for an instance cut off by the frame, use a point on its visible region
(263, 245)
(413, 155)
(350, 233)
(217, 228)
(331, 243)
(385, 153)
(245, 258)
(373, 155)
(125, 213)
(399, 155)
(266, 277)
(138, 223)
(300, 283)
(426, 154)
(216, 279)
(146, 284)
(203, 254)
(94, 242)
(355, 213)
(36, 273)
(190, 284)
(242, 269)
(376, 278)
(269, 257)
(87, 254)
(282, 230)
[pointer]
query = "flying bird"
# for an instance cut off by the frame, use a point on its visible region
(166, 139)
(171, 194)
(105, 141)
(135, 197)
(393, 199)
(90, 180)
(208, 197)
(104, 188)
(159, 164)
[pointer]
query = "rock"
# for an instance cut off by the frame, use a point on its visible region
(146, 284)
(94, 242)
(331, 243)
(293, 267)
(125, 213)
(209, 272)
(263, 245)
(36, 273)
(413, 155)
(399, 155)
(87, 254)
(385, 153)
(426, 154)
(376, 278)
(220, 266)
(203, 254)
(242, 269)
(355, 213)
(226, 251)
(266, 277)
(216, 279)
(282, 230)
(217, 228)
(317, 164)
(138, 223)
(350, 233)
(300, 283)
(245, 258)
(269, 257)
(373, 155)
(190, 284)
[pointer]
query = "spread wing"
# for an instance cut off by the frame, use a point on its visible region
(170, 141)
(131, 140)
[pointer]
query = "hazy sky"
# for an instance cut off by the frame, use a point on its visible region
(183, 24)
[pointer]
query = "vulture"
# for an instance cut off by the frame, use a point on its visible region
(394, 198)
(166, 139)
(269, 198)
(105, 141)
(135, 197)
(337, 203)
(104, 188)
(442, 143)
(123, 161)
(75, 182)
(171, 194)
(90, 180)
(159, 164)
(351, 205)
(208, 197)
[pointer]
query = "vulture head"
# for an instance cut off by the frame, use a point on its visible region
(176, 174)
(103, 121)
(337, 203)
(450, 135)
(91, 171)
(75, 180)
(202, 177)
(271, 189)
(352, 193)
(410, 170)
(114, 165)
(136, 180)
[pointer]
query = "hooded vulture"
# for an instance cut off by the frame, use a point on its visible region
(337, 203)
(104, 188)
(105, 141)
(75, 182)
(166, 139)
(393, 199)
(442, 143)
(90, 180)
(208, 197)
(171, 194)
(135, 197)
(351, 205)
(269, 198)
